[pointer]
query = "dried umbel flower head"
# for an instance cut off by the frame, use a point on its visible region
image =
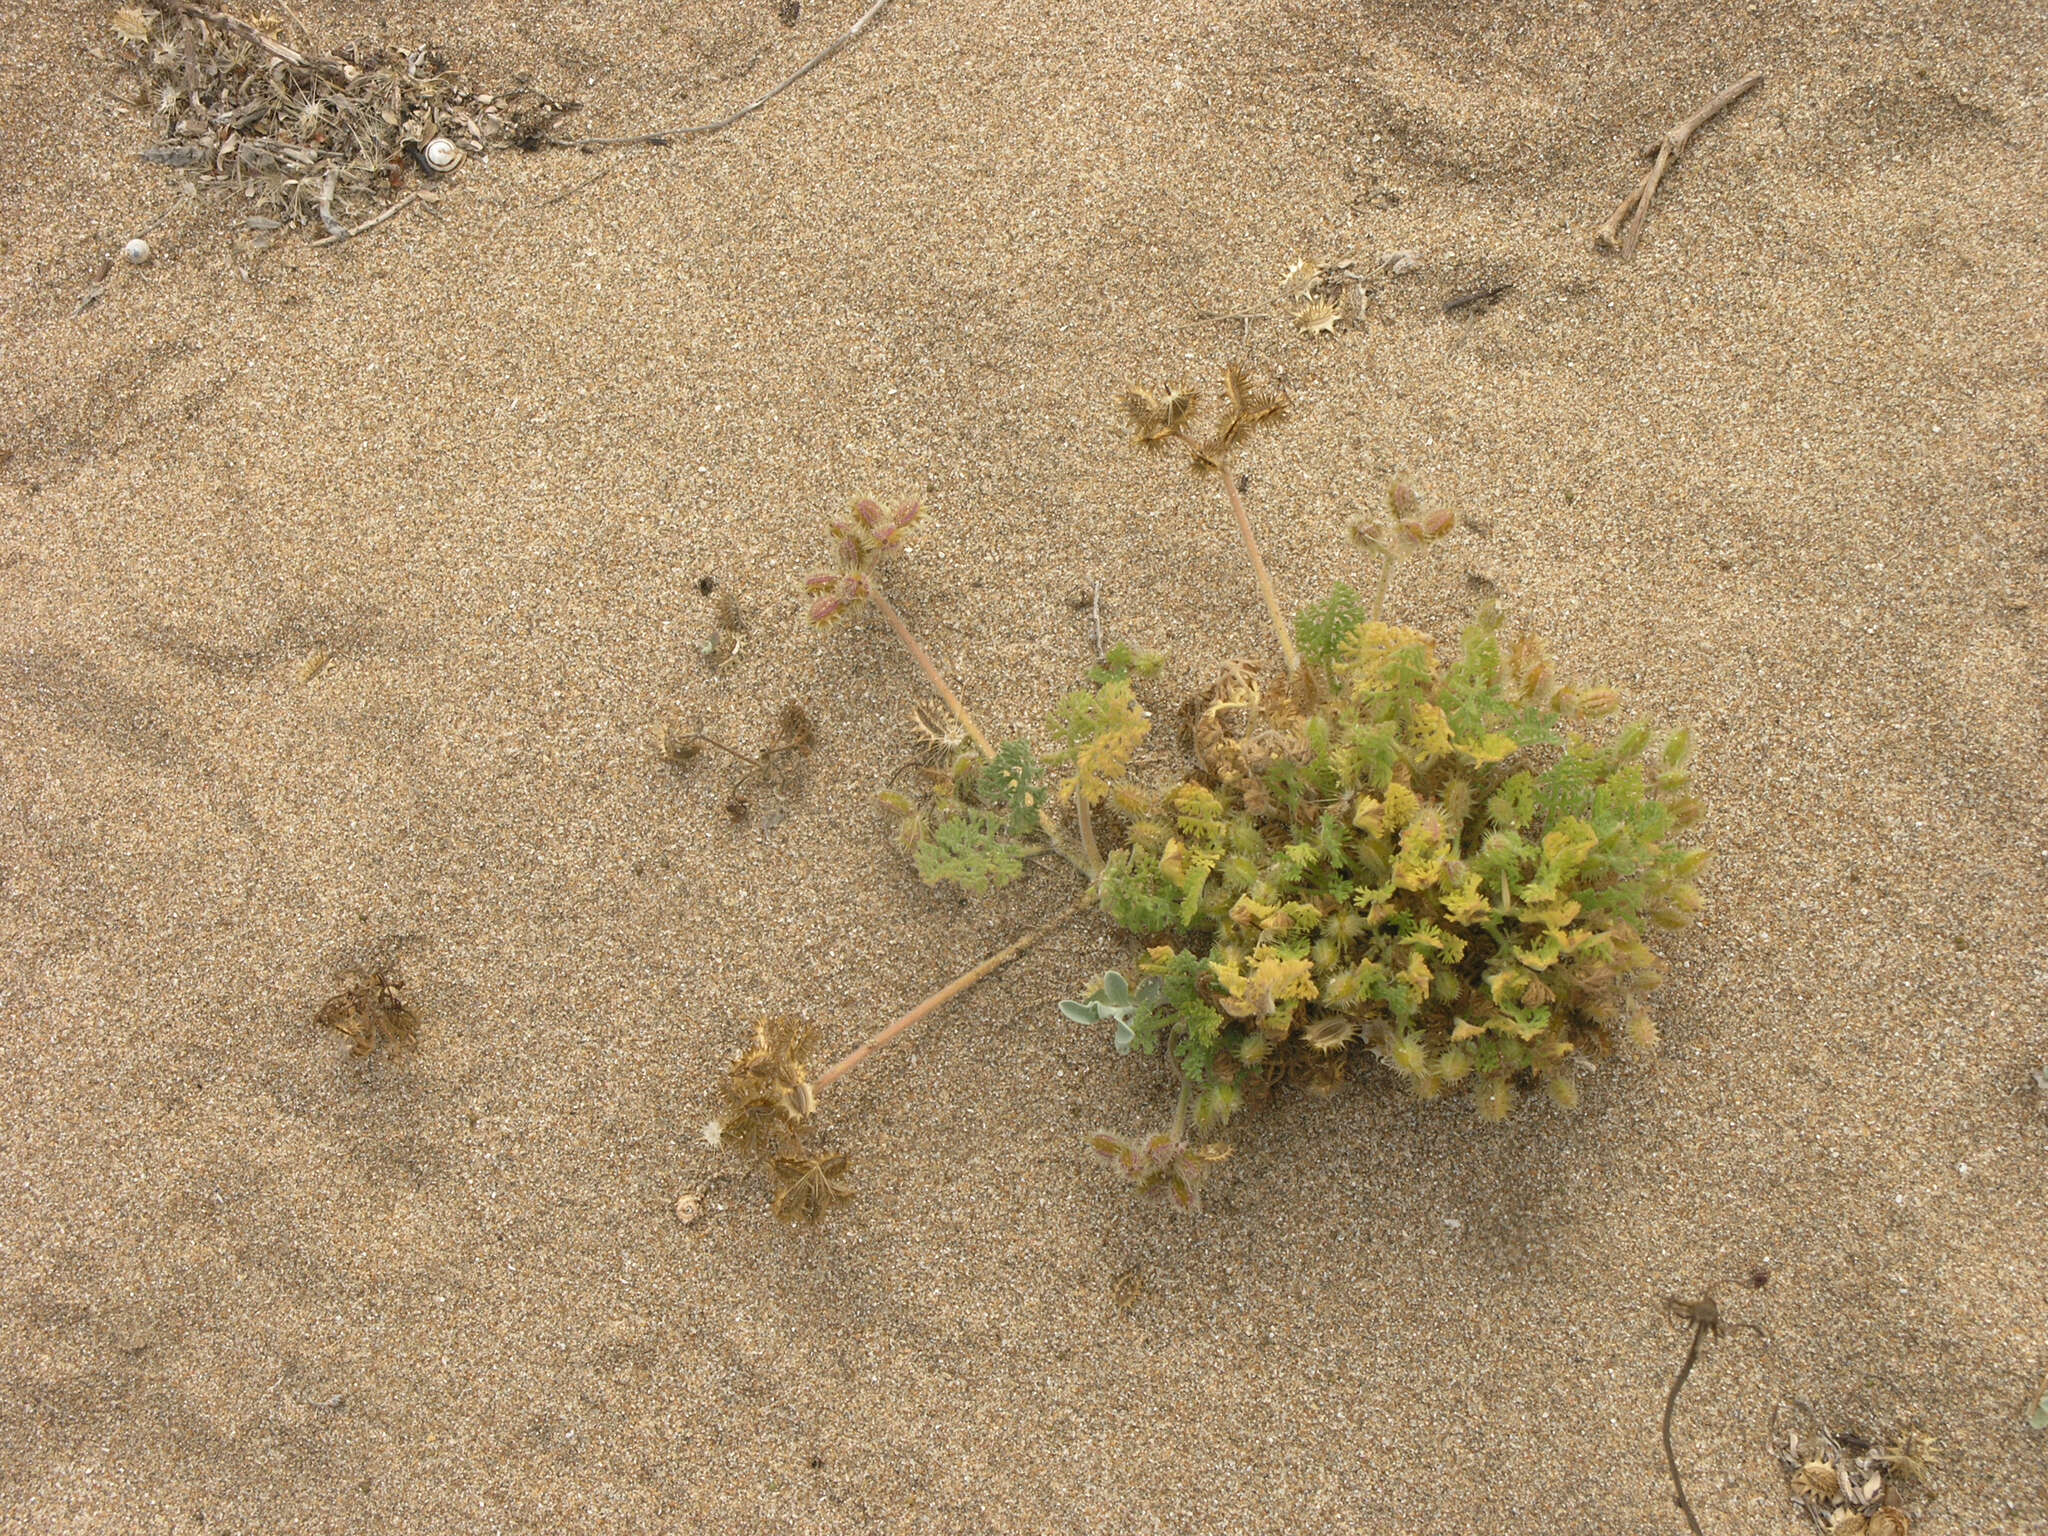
(1160, 1164)
(793, 731)
(768, 1094)
(810, 1186)
(864, 539)
(1318, 317)
(1817, 1480)
(1156, 417)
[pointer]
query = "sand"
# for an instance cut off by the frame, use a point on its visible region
(1781, 478)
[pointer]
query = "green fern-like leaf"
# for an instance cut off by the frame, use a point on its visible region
(1098, 732)
(1125, 661)
(1320, 628)
(1013, 784)
(974, 850)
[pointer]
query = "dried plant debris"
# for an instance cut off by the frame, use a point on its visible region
(728, 629)
(310, 139)
(1322, 299)
(769, 1102)
(777, 767)
(1156, 417)
(1849, 1483)
(371, 1010)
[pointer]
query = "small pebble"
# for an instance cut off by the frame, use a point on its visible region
(135, 252)
(1401, 263)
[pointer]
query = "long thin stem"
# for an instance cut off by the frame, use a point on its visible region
(660, 136)
(930, 671)
(1251, 548)
(713, 741)
(1379, 597)
(1699, 1332)
(1089, 850)
(1091, 865)
(951, 990)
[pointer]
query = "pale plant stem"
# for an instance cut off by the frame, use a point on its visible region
(1379, 597)
(951, 990)
(1088, 867)
(931, 672)
(1251, 548)
(1089, 850)
(713, 741)
(1180, 1111)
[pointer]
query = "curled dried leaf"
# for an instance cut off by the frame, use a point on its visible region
(371, 1012)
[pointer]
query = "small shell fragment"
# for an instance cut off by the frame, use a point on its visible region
(441, 154)
(689, 1206)
(1401, 263)
(316, 660)
(135, 252)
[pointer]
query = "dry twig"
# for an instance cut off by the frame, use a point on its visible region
(372, 222)
(1668, 150)
(660, 137)
(1705, 1317)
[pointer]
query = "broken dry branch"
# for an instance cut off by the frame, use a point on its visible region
(1669, 148)
(392, 212)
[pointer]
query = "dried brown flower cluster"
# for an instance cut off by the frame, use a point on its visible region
(769, 1103)
(1155, 418)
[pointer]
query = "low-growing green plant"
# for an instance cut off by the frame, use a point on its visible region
(1451, 863)
(1435, 861)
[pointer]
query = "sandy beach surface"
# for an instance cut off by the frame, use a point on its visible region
(1780, 477)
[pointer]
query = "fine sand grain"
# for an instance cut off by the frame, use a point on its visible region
(1780, 477)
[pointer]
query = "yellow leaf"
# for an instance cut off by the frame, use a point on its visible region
(1429, 730)
(1464, 903)
(1401, 806)
(1568, 846)
(1274, 983)
(1491, 748)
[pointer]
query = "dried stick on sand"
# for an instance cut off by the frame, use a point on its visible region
(1668, 150)
(661, 136)
(341, 234)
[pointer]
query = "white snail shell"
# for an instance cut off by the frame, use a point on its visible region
(441, 154)
(135, 252)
